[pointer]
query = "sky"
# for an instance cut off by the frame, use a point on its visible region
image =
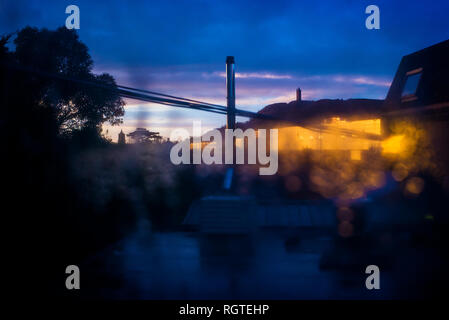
(180, 48)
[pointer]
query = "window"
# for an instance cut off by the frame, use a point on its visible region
(411, 84)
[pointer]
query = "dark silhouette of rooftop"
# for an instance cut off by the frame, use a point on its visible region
(422, 78)
(143, 135)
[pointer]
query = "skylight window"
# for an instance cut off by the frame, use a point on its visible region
(411, 84)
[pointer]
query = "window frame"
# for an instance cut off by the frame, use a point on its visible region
(411, 96)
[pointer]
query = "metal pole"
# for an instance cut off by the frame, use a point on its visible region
(230, 87)
(230, 123)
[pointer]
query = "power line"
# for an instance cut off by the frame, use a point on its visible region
(169, 96)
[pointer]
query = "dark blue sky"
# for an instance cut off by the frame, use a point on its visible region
(179, 47)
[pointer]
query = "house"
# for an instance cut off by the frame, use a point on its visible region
(421, 83)
(141, 135)
(419, 94)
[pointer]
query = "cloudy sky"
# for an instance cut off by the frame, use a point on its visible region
(180, 47)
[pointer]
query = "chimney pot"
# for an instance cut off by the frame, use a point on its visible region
(298, 94)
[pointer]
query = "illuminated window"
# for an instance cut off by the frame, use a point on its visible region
(411, 84)
(356, 155)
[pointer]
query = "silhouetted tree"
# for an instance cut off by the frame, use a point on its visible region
(3, 41)
(45, 123)
(75, 105)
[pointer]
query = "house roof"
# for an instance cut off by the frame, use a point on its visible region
(421, 79)
(309, 111)
(140, 132)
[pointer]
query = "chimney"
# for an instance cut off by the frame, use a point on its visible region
(298, 95)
